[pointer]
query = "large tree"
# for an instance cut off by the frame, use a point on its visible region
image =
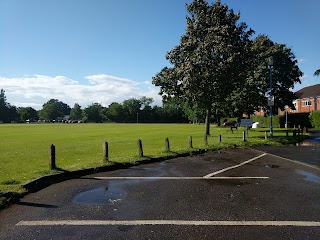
(207, 63)
(76, 112)
(252, 94)
(317, 73)
(94, 113)
(8, 112)
(54, 109)
(27, 113)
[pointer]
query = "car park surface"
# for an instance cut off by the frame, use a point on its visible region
(232, 194)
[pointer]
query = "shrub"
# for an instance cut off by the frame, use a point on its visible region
(265, 121)
(296, 119)
(315, 119)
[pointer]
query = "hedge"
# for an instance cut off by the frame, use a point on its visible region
(294, 120)
(315, 119)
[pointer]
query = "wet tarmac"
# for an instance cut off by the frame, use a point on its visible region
(282, 205)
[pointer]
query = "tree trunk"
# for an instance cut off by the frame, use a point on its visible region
(207, 123)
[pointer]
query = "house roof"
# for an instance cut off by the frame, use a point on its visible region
(308, 92)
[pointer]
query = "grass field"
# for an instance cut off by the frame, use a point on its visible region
(24, 148)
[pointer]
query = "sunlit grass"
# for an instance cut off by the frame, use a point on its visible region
(24, 148)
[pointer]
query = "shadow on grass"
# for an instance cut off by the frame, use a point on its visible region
(61, 170)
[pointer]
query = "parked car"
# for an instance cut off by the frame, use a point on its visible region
(230, 124)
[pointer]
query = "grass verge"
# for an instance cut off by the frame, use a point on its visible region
(25, 147)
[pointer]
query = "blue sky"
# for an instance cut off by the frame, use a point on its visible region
(108, 50)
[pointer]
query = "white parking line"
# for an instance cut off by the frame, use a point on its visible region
(235, 166)
(170, 222)
(176, 178)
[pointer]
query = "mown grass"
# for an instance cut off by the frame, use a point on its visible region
(24, 148)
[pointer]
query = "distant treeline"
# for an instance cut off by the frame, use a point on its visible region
(129, 111)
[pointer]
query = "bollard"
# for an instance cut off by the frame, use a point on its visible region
(206, 140)
(244, 136)
(140, 153)
(52, 157)
(190, 142)
(265, 135)
(105, 148)
(220, 138)
(167, 145)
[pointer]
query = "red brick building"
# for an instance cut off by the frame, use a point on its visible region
(308, 99)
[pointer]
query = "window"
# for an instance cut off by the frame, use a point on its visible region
(306, 103)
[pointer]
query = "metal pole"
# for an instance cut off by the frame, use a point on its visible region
(271, 130)
(286, 118)
(137, 117)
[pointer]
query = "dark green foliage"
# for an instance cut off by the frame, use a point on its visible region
(285, 73)
(76, 112)
(265, 121)
(209, 61)
(54, 109)
(94, 113)
(296, 120)
(317, 73)
(8, 112)
(27, 113)
(315, 119)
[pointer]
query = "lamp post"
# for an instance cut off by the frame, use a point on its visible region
(270, 64)
(286, 107)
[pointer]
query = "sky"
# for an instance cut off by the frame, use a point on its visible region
(104, 51)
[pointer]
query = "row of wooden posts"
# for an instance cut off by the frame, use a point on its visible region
(52, 149)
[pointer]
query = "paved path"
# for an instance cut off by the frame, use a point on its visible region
(235, 194)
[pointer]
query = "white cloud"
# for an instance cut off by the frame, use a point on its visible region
(301, 60)
(36, 90)
(306, 80)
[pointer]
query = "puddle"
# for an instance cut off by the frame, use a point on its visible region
(101, 196)
(310, 177)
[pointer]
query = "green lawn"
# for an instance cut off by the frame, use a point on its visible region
(25, 147)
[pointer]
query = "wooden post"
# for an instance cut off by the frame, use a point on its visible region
(167, 145)
(265, 135)
(294, 133)
(105, 148)
(52, 157)
(190, 142)
(140, 153)
(220, 138)
(206, 140)
(287, 133)
(244, 136)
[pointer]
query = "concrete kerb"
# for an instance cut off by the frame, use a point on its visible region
(7, 198)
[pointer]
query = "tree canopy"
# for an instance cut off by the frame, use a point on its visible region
(54, 109)
(217, 66)
(317, 73)
(208, 62)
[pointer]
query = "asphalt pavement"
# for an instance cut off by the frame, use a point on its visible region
(234, 194)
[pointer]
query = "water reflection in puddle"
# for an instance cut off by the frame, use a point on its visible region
(101, 196)
(310, 177)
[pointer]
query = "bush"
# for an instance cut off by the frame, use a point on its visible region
(296, 119)
(315, 119)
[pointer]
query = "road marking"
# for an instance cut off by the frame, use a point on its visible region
(290, 160)
(176, 178)
(235, 166)
(170, 222)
